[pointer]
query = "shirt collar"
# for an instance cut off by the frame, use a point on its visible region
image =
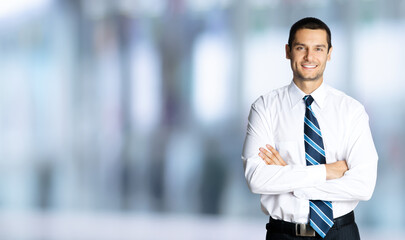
(296, 95)
(319, 95)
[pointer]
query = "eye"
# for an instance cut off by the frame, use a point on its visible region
(299, 48)
(319, 49)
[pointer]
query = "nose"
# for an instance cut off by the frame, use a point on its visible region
(308, 55)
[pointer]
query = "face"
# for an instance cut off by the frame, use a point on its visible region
(309, 54)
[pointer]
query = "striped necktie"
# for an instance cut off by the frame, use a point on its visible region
(320, 212)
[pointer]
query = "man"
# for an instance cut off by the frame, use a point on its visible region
(308, 149)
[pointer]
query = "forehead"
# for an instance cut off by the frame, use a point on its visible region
(311, 37)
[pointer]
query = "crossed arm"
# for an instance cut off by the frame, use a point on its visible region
(268, 173)
(271, 157)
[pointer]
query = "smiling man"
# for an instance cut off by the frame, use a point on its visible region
(308, 149)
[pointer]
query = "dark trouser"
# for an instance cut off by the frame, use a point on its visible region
(344, 228)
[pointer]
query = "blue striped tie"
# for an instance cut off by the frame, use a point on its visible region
(320, 212)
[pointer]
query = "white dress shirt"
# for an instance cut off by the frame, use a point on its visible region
(277, 118)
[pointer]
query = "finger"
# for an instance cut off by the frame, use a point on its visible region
(265, 157)
(269, 156)
(273, 157)
(267, 153)
(277, 155)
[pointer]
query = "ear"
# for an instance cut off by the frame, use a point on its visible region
(287, 52)
(330, 53)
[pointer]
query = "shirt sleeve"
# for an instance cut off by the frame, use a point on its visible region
(272, 179)
(359, 181)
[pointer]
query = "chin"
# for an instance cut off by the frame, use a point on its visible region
(308, 78)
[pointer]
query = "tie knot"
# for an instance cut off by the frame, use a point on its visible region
(308, 100)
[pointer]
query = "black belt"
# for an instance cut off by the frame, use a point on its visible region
(297, 229)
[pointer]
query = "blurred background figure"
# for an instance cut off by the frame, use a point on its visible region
(125, 119)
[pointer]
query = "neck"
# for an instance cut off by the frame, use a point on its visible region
(308, 86)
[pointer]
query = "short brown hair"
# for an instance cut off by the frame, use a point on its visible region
(309, 23)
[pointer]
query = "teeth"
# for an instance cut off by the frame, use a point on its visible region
(309, 66)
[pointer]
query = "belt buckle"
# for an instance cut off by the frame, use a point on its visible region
(304, 230)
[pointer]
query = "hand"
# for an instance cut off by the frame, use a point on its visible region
(336, 170)
(272, 157)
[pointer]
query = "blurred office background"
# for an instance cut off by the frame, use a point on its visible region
(125, 119)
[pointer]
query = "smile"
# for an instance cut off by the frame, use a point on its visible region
(307, 66)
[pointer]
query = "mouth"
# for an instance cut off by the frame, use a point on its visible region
(309, 66)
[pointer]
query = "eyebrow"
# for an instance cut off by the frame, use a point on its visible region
(301, 44)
